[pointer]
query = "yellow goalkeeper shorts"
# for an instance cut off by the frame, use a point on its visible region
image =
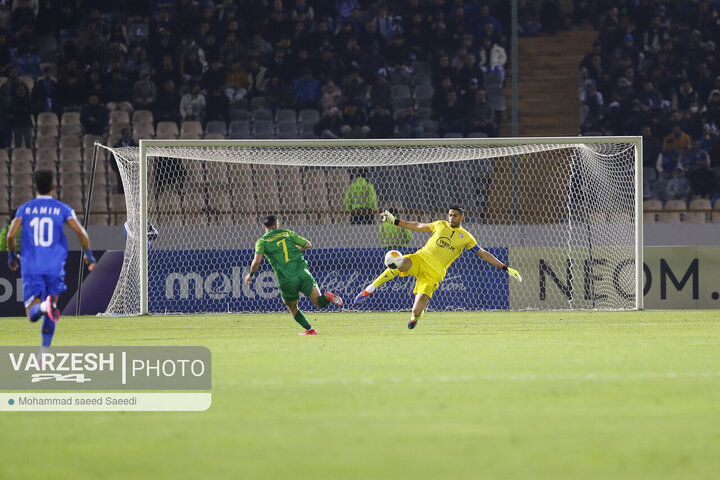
(427, 279)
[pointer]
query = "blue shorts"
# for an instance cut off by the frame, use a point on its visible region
(40, 286)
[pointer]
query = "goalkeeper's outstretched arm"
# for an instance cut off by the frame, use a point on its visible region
(388, 217)
(490, 258)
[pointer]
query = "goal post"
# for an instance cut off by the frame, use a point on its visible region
(566, 212)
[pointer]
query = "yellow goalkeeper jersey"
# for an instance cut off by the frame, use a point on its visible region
(445, 246)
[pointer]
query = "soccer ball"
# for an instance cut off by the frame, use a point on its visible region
(393, 259)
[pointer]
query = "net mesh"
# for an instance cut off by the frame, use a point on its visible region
(563, 215)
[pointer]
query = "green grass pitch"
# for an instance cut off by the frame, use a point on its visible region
(528, 395)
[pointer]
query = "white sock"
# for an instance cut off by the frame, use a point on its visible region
(370, 288)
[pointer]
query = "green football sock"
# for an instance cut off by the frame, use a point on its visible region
(300, 318)
(323, 302)
(387, 275)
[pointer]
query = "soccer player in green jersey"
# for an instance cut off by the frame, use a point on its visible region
(283, 248)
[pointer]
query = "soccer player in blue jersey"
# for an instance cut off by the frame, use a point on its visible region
(43, 252)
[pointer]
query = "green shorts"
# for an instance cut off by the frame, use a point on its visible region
(290, 288)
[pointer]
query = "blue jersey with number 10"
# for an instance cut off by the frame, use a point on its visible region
(44, 247)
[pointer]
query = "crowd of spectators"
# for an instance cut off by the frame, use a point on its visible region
(195, 60)
(654, 71)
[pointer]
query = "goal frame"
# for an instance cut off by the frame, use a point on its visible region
(146, 144)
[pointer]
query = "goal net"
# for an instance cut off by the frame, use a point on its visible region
(565, 212)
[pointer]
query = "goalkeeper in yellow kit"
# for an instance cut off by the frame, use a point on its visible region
(429, 264)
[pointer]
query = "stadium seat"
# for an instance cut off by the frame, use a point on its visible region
(309, 115)
(262, 114)
(21, 193)
(4, 202)
(214, 136)
(71, 129)
(70, 141)
(402, 103)
(70, 118)
(424, 114)
(71, 156)
(117, 128)
(47, 48)
(715, 215)
(190, 136)
(47, 131)
(28, 81)
(423, 104)
(46, 142)
(257, 102)
(219, 208)
(430, 126)
(286, 115)
(316, 197)
(338, 182)
(193, 128)
(20, 178)
(649, 173)
(88, 141)
(420, 66)
(453, 135)
(48, 118)
(142, 130)
(119, 116)
(266, 188)
(74, 198)
(46, 158)
(126, 106)
(22, 156)
(52, 66)
(70, 181)
(239, 129)
(291, 194)
(167, 130)
(99, 201)
(400, 91)
(673, 217)
(142, 116)
(651, 205)
(421, 79)
(698, 217)
(239, 114)
(287, 130)
(98, 219)
(307, 128)
(117, 202)
(477, 135)
(263, 129)
(398, 78)
(423, 91)
(241, 184)
(215, 127)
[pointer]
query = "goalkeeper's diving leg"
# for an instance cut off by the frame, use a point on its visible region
(421, 301)
(386, 276)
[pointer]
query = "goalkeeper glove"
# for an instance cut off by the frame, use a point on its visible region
(512, 272)
(387, 217)
(13, 260)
